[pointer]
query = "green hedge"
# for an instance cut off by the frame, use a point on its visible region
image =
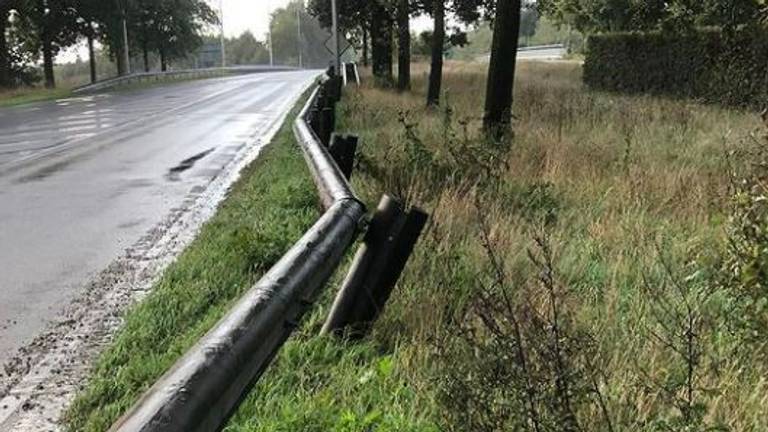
(707, 64)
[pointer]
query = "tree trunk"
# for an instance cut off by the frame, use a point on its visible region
(404, 46)
(163, 61)
(119, 53)
(381, 44)
(501, 71)
(5, 61)
(145, 52)
(50, 81)
(92, 59)
(365, 45)
(438, 44)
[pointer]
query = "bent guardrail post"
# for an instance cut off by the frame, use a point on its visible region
(202, 390)
(376, 268)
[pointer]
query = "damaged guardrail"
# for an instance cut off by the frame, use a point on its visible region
(202, 390)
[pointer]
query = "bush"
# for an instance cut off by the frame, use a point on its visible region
(712, 65)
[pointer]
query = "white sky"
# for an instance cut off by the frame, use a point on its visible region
(253, 15)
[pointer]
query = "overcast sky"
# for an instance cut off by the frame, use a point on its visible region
(253, 15)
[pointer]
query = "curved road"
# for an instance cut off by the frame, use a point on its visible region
(83, 179)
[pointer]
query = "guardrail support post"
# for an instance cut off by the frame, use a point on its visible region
(343, 149)
(377, 266)
(326, 123)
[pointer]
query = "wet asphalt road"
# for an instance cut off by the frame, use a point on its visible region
(83, 179)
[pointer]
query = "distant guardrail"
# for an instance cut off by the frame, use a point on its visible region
(541, 47)
(173, 75)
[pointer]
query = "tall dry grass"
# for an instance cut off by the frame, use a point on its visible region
(633, 195)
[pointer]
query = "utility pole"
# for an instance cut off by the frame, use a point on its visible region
(298, 41)
(223, 47)
(335, 31)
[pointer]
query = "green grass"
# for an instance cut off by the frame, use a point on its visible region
(9, 98)
(268, 209)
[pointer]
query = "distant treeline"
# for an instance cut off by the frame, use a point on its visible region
(31, 30)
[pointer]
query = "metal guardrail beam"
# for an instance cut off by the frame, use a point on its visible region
(330, 181)
(202, 390)
(541, 47)
(158, 76)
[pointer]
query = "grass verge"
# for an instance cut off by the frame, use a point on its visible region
(270, 207)
(21, 96)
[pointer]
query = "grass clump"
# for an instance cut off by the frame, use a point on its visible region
(268, 209)
(25, 95)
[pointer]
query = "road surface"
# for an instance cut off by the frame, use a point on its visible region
(83, 179)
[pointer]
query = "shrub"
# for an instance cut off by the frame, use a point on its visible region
(745, 267)
(708, 64)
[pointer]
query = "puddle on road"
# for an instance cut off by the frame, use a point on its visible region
(174, 174)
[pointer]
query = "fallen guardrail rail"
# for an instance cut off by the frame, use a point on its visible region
(173, 75)
(204, 388)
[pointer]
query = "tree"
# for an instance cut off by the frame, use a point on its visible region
(501, 71)
(47, 26)
(381, 41)
(438, 42)
(466, 11)
(178, 28)
(354, 19)
(5, 55)
(360, 21)
(88, 12)
(246, 50)
(529, 21)
(286, 42)
(404, 45)
(591, 16)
